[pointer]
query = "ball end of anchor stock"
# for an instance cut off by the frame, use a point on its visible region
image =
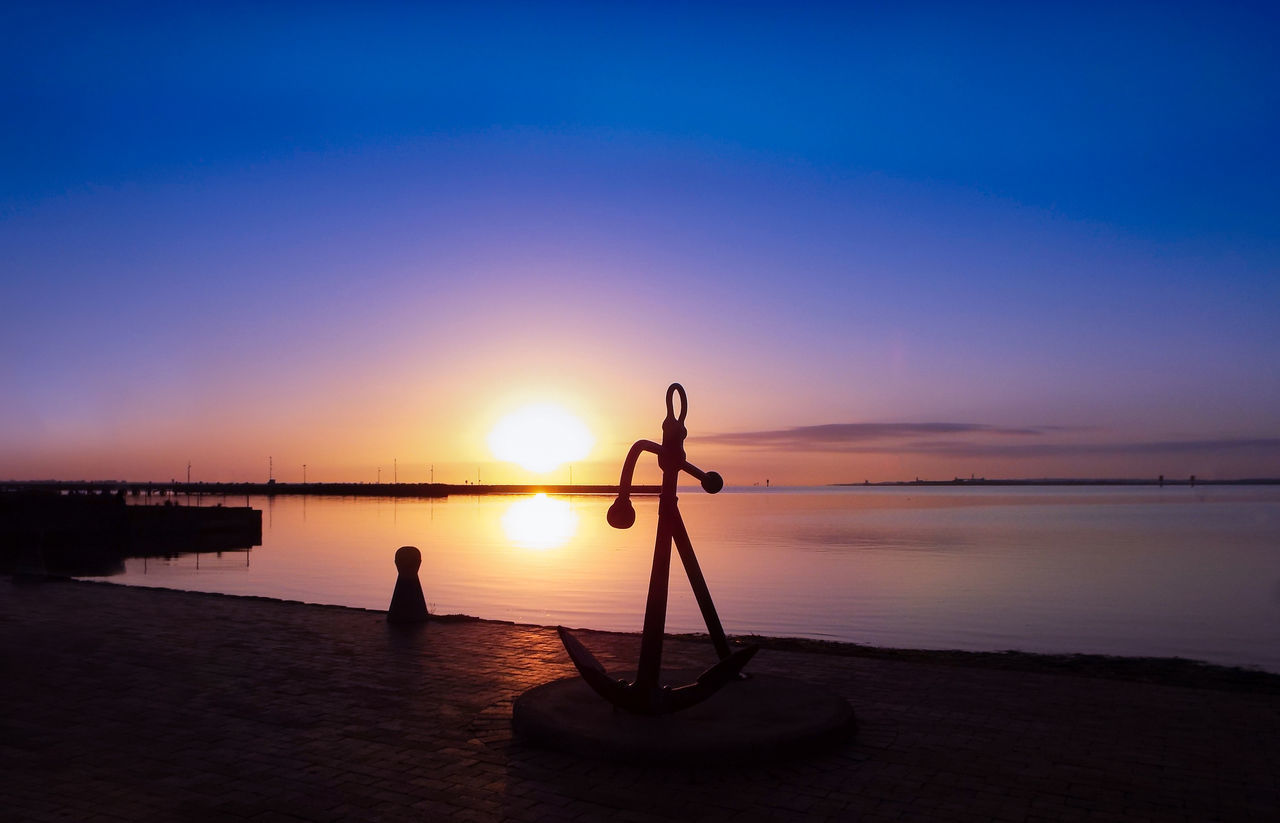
(712, 483)
(621, 514)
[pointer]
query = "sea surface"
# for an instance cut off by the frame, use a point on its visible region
(1187, 572)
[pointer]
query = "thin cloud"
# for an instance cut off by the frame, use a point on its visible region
(836, 435)
(961, 449)
(967, 440)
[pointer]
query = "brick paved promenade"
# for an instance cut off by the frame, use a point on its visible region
(139, 704)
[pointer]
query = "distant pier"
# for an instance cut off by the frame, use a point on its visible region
(419, 490)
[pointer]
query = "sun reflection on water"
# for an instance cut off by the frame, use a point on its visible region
(540, 522)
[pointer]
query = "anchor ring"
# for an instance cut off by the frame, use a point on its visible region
(684, 402)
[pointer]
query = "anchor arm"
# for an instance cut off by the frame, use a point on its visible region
(621, 514)
(712, 482)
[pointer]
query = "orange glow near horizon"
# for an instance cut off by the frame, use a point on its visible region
(377, 426)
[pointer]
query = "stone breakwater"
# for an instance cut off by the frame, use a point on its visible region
(142, 704)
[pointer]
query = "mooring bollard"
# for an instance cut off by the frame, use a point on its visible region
(407, 603)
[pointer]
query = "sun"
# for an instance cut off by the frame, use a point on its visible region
(540, 438)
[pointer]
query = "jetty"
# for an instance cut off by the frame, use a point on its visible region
(134, 488)
(92, 534)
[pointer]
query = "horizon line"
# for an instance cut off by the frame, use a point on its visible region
(917, 481)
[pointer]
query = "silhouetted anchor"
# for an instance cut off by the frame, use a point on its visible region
(645, 695)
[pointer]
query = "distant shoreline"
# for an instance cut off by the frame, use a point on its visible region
(271, 489)
(439, 490)
(1068, 481)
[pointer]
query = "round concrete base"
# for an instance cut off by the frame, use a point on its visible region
(760, 718)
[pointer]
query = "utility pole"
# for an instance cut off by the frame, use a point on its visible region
(271, 471)
(188, 472)
(433, 472)
(379, 475)
(395, 470)
(304, 474)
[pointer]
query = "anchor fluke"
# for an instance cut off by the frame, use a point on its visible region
(591, 669)
(728, 669)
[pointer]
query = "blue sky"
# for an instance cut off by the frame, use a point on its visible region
(1011, 215)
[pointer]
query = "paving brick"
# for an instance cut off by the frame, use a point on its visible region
(136, 704)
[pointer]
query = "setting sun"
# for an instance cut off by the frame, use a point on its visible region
(540, 438)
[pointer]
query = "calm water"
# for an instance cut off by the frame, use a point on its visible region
(1186, 572)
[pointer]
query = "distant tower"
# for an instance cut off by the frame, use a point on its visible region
(271, 471)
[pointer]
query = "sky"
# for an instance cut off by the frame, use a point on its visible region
(873, 241)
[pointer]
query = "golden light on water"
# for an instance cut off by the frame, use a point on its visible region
(540, 522)
(540, 438)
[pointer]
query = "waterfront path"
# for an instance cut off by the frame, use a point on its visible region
(142, 704)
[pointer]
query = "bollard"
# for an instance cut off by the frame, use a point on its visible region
(407, 603)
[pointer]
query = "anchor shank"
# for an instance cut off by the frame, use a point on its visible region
(699, 584)
(655, 610)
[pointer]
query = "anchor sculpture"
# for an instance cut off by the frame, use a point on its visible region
(646, 695)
